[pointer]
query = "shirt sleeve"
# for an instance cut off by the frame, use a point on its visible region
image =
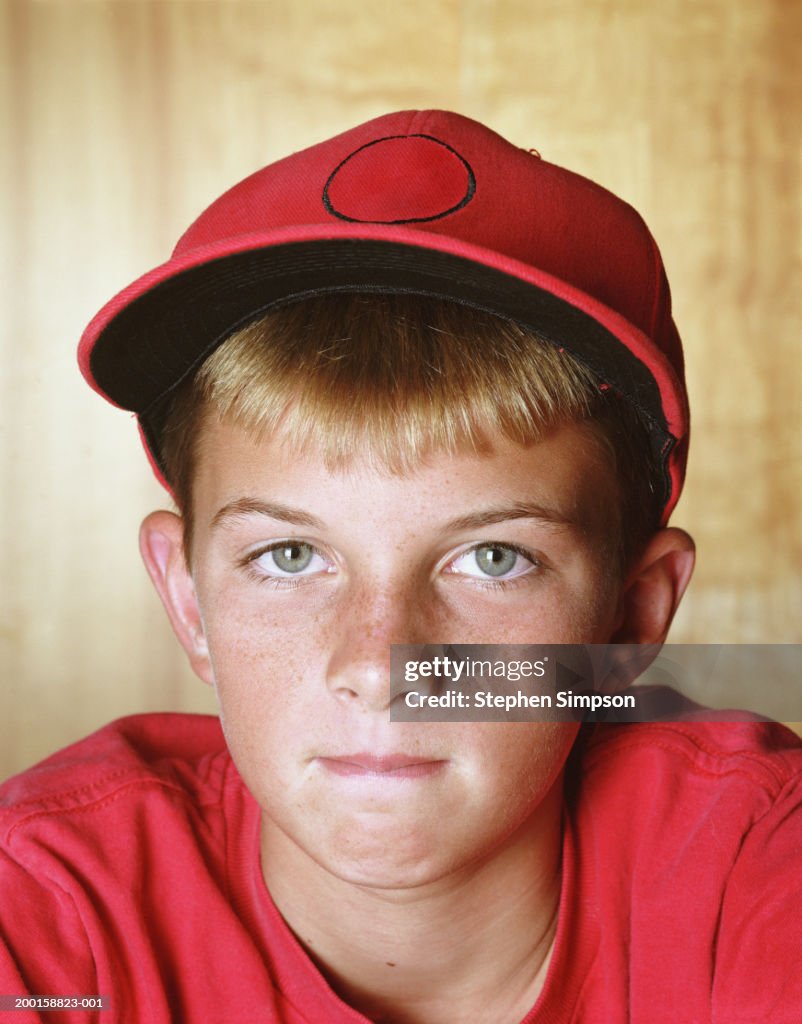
(44, 950)
(757, 975)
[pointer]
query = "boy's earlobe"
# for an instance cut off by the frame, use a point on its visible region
(654, 588)
(161, 542)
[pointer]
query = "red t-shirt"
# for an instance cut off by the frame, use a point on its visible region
(129, 867)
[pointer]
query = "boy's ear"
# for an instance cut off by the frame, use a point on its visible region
(654, 586)
(161, 542)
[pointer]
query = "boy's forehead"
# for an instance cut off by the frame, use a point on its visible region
(564, 480)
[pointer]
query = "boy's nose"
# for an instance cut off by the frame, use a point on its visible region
(359, 665)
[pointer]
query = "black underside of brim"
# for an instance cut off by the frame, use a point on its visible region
(166, 333)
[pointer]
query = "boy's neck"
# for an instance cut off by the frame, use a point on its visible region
(473, 947)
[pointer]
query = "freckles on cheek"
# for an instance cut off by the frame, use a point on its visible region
(585, 616)
(572, 606)
(269, 668)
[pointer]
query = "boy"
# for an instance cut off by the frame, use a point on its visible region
(412, 385)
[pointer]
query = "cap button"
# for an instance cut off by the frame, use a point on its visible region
(400, 179)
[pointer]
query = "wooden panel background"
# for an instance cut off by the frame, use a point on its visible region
(122, 119)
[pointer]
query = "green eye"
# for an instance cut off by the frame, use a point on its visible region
(292, 557)
(287, 560)
(494, 560)
(500, 563)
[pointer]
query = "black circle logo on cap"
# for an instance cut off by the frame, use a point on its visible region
(399, 179)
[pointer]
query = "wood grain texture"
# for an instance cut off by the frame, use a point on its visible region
(121, 120)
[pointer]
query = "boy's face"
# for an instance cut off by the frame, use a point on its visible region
(304, 578)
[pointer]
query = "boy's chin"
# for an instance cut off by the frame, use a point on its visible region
(388, 871)
(380, 855)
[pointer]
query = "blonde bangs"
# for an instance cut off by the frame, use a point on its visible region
(391, 379)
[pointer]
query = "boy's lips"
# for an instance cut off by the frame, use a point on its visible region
(390, 766)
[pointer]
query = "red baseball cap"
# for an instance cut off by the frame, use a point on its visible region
(422, 202)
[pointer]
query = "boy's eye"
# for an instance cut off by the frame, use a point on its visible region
(290, 558)
(498, 561)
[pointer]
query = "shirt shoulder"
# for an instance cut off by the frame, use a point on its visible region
(116, 853)
(178, 753)
(102, 813)
(683, 843)
(765, 756)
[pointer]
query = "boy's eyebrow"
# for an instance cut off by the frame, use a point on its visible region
(470, 521)
(273, 509)
(519, 510)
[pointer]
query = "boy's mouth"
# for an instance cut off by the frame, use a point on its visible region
(390, 766)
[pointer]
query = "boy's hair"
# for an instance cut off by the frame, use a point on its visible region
(391, 378)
